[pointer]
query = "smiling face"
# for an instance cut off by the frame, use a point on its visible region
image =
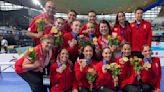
(47, 44)
(76, 26)
(59, 24)
(107, 54)
(146, 52)
(63, 56)
(121, 17)
(71, 16)
(126, 50)
(88, 52)
(90, 28)
(104, 29)
(92, 17)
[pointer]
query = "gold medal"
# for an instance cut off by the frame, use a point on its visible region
(54, 30)
(148, 65)
(64, 66)
(125, 59)
(83, 63)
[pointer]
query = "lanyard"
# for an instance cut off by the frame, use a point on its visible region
(146, 60)
(105, 62)
(74, 35)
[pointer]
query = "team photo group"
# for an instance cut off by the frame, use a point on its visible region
(94, 56)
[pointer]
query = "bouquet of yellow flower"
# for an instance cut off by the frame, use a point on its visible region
(32, 54)
(115, 70)
(91, 76)
(83, 41)
(40, 24)
(113, 40)
(57, 36)
(136, 62)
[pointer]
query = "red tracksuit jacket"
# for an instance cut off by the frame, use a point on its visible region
(62, 81)
(67, 28)
(126, 75)
(33, 28)
(126, 35)
(73, 51)
(153, 75)
(81, 75)
(18, 64)
(103, 79)
(141, 35)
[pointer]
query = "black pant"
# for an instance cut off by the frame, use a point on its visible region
(131, 88)
(105, 89)
(138, 54)
(34, 79)
(146, 87)
(83, 89)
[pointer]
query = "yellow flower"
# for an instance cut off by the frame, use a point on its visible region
(19, 52)
(117, 66)
(38, 20)
(109, 37)
(95, 39)
(131, 59)
(31, 49)
(108, 66)
(140, 59)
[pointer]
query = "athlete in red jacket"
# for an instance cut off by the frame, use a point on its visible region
(30, 66)
(70, 41)
(122, 28)
(81, 68)
(151, 74)
(48, 16)
(71, 16)
(91, 18)
(104, 81)
(62, 76)
(141, 33)
(127, 77)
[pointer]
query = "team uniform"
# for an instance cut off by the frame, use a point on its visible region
(33, 28)
(152, 76)
(123, 33)
(34, 77)
(104, 81)
(81, 75)
(141, 34)
(67, 27)
(64, 81)
(73, 51)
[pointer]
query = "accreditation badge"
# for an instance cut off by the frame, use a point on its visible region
(115, 29)
(144, 27)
